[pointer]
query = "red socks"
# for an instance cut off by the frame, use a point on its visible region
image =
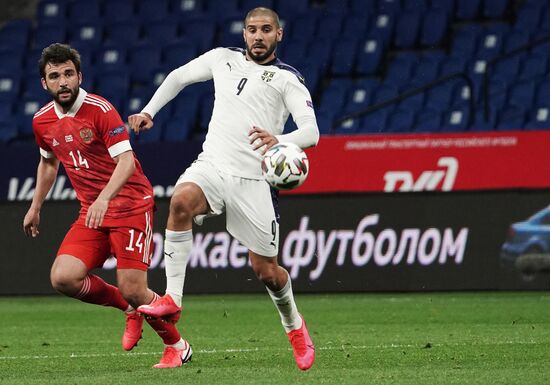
(97, 291)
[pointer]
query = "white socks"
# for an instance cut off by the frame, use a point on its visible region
(177, 247)
(284, 301)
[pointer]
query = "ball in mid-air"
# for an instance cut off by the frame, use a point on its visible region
(285, 166)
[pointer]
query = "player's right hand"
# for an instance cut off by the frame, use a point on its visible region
(140, 122)
(31, 222)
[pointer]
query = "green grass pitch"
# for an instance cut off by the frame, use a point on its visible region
(430, 338)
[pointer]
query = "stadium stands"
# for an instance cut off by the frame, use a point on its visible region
(353, 53)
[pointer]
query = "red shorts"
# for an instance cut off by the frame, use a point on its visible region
(127, 239)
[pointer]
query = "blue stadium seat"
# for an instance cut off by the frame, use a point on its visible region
(361, 94)
(383, 25)
(111, 57)
(32, 88)
(111, 84)
(162, 31)
(375, 122)
(427, 121)
(12, 60)
(304, 27)
(335, 95)
(507, 68)
(8, 130)
(515, 40)
(177, 129)
(522, 94)
(455, 120)
(447, 5)
(434, 27)
(26, 108)
(201, 31)
(116, 11)
(44, 35)
(464, 43)
(363, 7)
(349, 126)
(294, 51)
(539, 118)
(528, 18)
(231, 33)
(491, 41)
(51, 12)
(16, 34)
(498, 91)
(415, 102)
(389, 6)
(426, 70)
(384, 92)
(143, 60)
(321, 51)
(124, 32)
(343, 61)
(407, 28)
(9, 86)
(533, 67)
(336, 6)
(289, 8)
(480, 123)
(179, 53)
(325, 121)
(186, 9)
(185, 104)
(511, 118)
(84, 10)
(400, 121)
(153, 9)
(543, 92)
(7, 112)
(221, 9)
(136, 101)
(544, 25)
(461, 93)
(414, 5)
(400, 70)
(356, 25)
(451, 65)
(247, 5)
(467, 9)
(86, 35)
(329, 26)
(494, 9)
(369, 55)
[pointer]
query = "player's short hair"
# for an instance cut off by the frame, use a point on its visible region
(58, 53)
(262, 11)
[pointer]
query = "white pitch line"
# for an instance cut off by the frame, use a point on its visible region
(248, 350)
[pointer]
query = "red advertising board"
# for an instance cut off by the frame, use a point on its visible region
(431, 162)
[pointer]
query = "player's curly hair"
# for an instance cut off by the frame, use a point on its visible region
(58, 53)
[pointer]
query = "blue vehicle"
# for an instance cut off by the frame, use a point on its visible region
(527, 240)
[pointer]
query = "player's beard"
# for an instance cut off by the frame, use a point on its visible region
(67, 103)
(261, 57)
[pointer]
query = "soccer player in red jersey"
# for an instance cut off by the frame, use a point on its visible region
(85, 133)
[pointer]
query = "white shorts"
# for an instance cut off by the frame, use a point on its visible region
(251, 206)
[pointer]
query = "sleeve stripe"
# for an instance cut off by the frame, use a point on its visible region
(119, 148)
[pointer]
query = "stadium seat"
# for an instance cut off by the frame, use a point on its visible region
(178, 53)
(348, 127)
(389, 6)
(426, 70)
(231, 33)
(427, 121)
(455, 120)
(86, 35)
(356, 25)
(407, 27)
(527, 19)
(491, 41)
(84, 10)
(433, 28)
(126, 33)
(515, 40)
(494, 9)
(290, 8)
(110, 57)
(9, 87)
(414, 5)
(185, 104)
(51, 12)
(221, 9)
(464, 44)
(415, 102)
(360, 96)
(26, 108)
(162, 31)
(375, 122)
(336, 7)
(343, 61)
(383, 26)
(533, 67)
(451, 65)
(331, 26)
(113, 83)
(16, 34)
(400, 70)
(12, 60)
(522, 94)
(543, 92)
(44, 35)
(362, 7)
(247, 5)
(177, 129)
(335, 95)
(467, 9)
(498, 91)
(511, 118)
(116, 11)
(186, 9)
(400, 121)
(153, 10)
(539, 118)
(369, 56)
(480, 123)
(304, 27)
(321, 50)
(201, 31)
(384, 92)
(8, 130)
(143, 59)
(447, 5)
(325, 122)
(506, 68)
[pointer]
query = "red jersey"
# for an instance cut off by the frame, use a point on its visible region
(85, 140)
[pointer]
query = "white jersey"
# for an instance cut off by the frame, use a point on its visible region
(247, 94)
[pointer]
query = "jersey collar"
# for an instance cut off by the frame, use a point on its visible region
(75, 107)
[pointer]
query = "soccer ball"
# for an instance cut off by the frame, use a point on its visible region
(285, 166)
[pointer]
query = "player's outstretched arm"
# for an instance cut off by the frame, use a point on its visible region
(45, 178)
(140, 122)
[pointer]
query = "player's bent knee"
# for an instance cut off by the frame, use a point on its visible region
(66, 284)
(181, 209)
(133, 292)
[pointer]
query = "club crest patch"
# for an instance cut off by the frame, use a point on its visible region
(87, 135)
(267, 76)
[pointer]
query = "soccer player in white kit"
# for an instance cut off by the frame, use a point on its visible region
(254, 94)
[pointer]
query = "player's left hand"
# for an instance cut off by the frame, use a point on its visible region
(96, 213)
(261, 138)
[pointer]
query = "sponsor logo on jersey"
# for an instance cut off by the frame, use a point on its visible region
(68, 138)
(87, 135)
(55, 142)
(267, 76)
(117, 131)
